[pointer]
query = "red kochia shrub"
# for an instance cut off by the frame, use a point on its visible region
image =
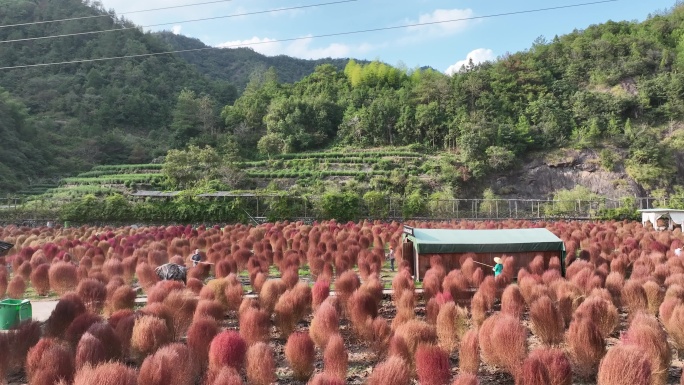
(466, 379)
(270, 292)
(319, 292)
(255, 326)
(361, 307)
(24, 270)
(345, 285)
(21, 339)
(63, 277)
(32, 362)
(49, 364)
(533, 372)
(547, 322)
(624, 365)
(104, 332)
(3, 281)
(469, 353)
(79, 326)
(335, 358)
(200, 334)
(160, 290)
(149, 334)
(227, 349)
(325, 379)
(556, 363)
(182, 305)
(113, 267)
(300, 353)
(634, 296)
(392, 371)
(324, 324)
(451, 324)
(89, 351)
(40, 280)
(67, 309)
(17, 287)
(432, 365)
(146, 275)
(168, 365)
(503, 330)
(112, 373)
(586, 346)
(646, 334)
(225, 376)
(260, 364)
(93, 293)
(415, 332)
(209, 309)
(512, 301)
(122, 298)
(601, 311)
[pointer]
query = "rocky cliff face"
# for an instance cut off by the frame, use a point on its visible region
(540, 177)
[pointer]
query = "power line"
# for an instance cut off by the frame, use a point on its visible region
(175, 22)
(123, 13)
(309, 37)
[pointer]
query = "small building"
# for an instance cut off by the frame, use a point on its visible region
(419, 245)
(662, 219)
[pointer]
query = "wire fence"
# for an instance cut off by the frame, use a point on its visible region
(264, 208)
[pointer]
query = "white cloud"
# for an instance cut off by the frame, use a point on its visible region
(176, 29)
(298, 48)
(266, 46)
(478, 56)
(440, 18)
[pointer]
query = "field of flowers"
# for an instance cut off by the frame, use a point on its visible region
(291, 303)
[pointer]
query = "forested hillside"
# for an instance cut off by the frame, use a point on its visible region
(617, 87)
(235, 65)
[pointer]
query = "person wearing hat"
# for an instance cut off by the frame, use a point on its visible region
(498, 268)
(390, 256)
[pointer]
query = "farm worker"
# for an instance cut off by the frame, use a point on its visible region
(390, 256)
(196, 258)
(498, 268)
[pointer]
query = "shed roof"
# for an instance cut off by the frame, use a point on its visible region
(438, 241)
(661, 211)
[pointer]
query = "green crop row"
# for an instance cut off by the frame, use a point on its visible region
(128, 167)
(115, 179)
(361, 154)
(309, 174)
(95, 174)
(308, 161)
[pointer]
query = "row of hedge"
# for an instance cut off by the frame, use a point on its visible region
(343, 206)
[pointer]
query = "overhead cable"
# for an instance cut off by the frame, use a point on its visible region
(307, 37)
(175, 22)
(107, 15)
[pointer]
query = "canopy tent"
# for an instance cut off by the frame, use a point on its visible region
(676, 217)
(523, 244)
(4, 247)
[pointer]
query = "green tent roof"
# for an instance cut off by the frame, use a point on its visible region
(439, 241)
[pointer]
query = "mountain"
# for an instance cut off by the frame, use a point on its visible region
(74, 116)
(612, 96)
(235, 65)
(602, 107)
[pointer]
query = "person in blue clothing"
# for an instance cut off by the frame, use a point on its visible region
(498, 268)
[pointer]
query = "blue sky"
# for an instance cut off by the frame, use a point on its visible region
(443, 46)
